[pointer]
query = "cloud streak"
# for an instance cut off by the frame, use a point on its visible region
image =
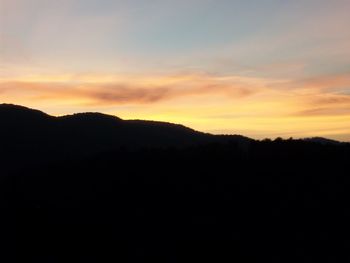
(136, 90)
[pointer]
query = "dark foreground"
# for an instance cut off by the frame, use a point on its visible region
(282, 201)
(217, 200)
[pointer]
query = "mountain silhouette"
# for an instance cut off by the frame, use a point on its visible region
(31, 134)
(322, 140)
(21, 125)
(95, 188)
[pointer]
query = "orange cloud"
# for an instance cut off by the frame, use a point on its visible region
(323, 95)
(109, 90)
(327, 83)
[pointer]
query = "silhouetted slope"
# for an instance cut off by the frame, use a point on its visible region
(34, 136)
(95, 188)
(9, 113)
(22, 123)
(322, 140)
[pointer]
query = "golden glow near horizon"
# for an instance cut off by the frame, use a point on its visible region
(256, 68)
(255, 107)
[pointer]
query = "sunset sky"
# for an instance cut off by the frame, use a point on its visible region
(260, 68)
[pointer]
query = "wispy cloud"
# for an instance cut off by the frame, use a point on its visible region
(121, 90)
(327, 82)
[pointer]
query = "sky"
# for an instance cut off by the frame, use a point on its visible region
(260, 68)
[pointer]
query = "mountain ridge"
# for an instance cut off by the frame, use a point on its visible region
(16, 112)
(32, 136)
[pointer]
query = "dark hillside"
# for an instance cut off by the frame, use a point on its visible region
(176, 195)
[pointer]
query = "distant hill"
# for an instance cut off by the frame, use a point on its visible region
(322, 140)
(33, 135)
(28, 131)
